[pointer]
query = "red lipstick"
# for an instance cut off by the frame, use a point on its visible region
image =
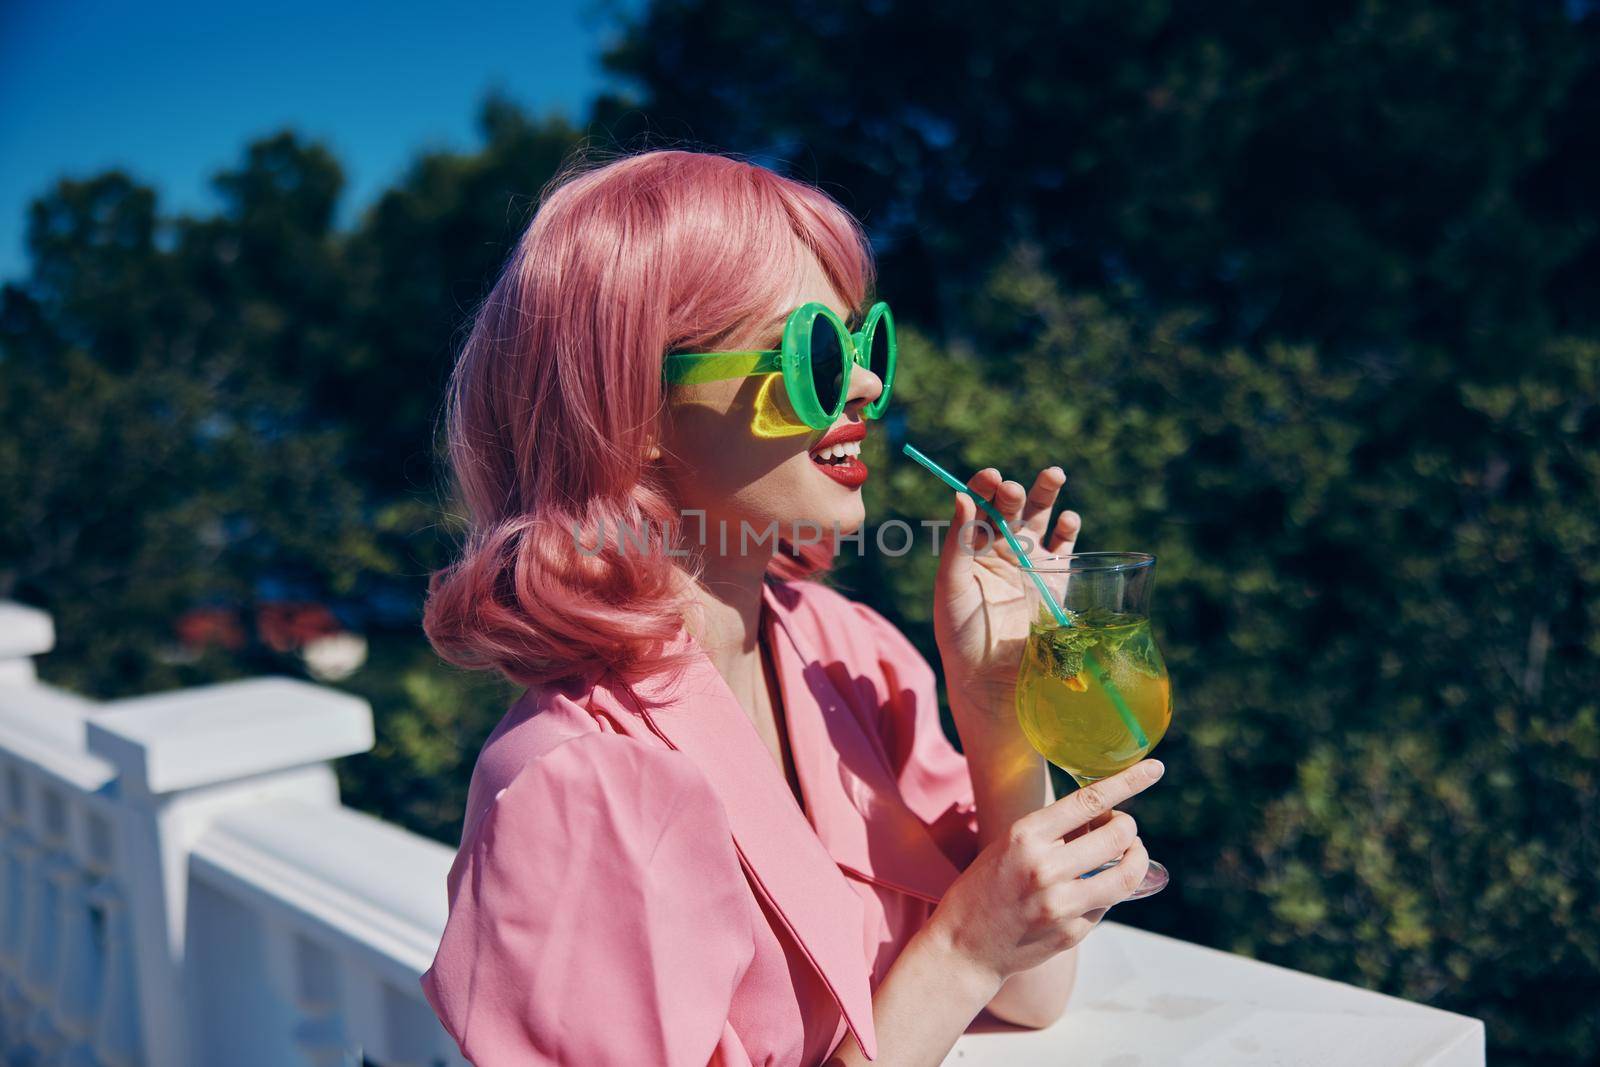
(846, 469)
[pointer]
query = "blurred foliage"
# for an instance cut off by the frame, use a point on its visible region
(1348, 171)
(1301, 297)
(238, 409)
(1383, 760)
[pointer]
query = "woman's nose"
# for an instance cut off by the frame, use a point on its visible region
(865, 387)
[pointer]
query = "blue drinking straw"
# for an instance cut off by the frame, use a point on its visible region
(1062, 618)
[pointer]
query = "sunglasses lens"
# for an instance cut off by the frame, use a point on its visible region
(827, 363)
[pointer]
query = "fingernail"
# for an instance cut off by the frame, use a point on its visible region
(1157, 769)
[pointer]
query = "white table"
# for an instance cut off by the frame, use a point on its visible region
(1143, 1000)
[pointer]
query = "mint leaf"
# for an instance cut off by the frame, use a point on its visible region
(1062, 648)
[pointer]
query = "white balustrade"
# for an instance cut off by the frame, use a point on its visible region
(180, 885)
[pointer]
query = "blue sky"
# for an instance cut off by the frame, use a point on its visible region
(172, 92)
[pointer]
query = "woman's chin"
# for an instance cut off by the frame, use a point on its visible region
(843, 519)
(855, 517)
(820, 524)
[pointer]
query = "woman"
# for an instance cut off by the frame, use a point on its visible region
(723, 824)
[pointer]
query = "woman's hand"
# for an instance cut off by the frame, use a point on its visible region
(980, 616)
(1022, 899)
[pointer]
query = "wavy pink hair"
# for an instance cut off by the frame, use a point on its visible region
(557, 395)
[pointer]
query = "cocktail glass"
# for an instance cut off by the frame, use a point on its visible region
(1093, 697)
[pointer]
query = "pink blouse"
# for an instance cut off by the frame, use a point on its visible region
(636, 884)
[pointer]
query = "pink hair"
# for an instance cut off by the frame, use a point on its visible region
(557, 396)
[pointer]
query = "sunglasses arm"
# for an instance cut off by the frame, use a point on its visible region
(692, 368)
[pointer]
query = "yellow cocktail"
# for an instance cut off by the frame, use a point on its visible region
(1066, 711)
(1093, 696)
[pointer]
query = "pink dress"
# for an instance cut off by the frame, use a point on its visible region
(637, 885)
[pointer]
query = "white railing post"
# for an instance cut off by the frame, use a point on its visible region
(24, 633)
(58, 1002)
(182, 759)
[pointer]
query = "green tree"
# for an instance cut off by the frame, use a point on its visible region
(1384, 646)
(1352, 172)
(157, 448)
(1302, 299)
(241, 407)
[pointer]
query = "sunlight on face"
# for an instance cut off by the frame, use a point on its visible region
(737, 451)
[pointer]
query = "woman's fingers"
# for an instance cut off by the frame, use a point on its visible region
(1065, 533)
(1092, 824)
(1117, 883)
(1041, 499)
(960, 541)
(1102, 845)
(1082, 902)
(1026, 511)
(1009, 500)
(986, 483)
(1083, 805)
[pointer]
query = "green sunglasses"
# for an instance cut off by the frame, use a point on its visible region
(815, 360)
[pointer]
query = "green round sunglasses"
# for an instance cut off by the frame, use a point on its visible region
(815, 360)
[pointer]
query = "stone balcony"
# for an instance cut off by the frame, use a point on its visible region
(180, 885)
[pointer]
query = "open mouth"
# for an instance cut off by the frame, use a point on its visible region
(838, 455)
(834, 455)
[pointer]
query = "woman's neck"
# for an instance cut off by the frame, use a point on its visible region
(727, 624)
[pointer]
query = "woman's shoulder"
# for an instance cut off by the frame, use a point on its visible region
(613, 777)
(613, 856)
(568, 732)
